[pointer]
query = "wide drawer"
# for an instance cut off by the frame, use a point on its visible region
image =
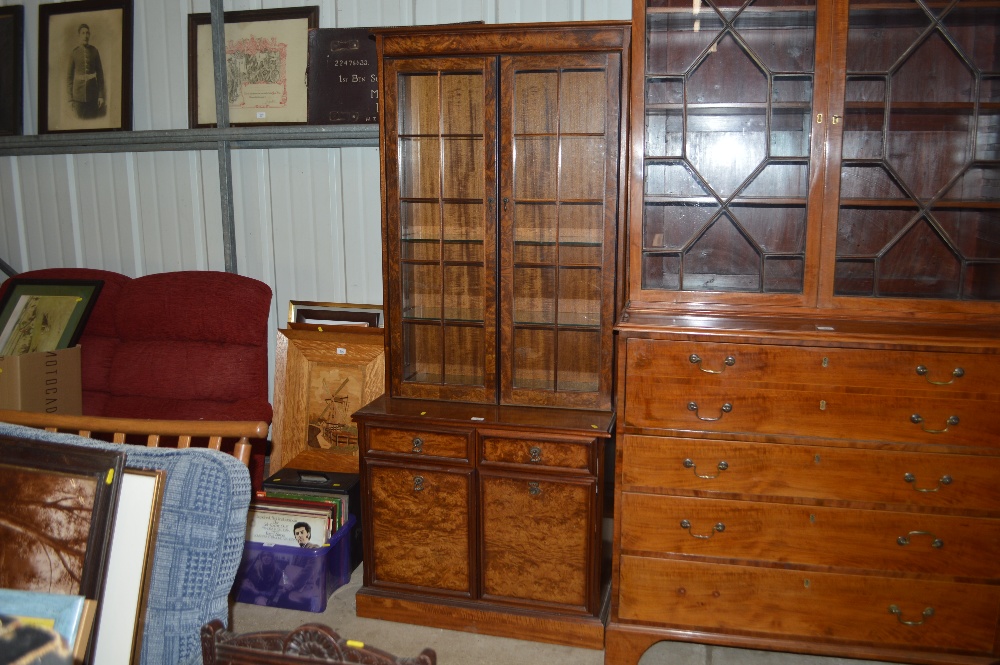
(420, 442)
(791, 603)
(652, 402)
(529, 452)
(670, 464)
(876, 540)
(941, 372)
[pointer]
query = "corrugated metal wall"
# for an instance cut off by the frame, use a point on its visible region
(307, 220)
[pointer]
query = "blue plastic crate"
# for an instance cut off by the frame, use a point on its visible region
(293, 577)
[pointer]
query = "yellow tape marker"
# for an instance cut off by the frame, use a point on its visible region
(354, 644)
(110, 477)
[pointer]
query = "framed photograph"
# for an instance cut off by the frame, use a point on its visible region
(44, 315)
(85, 66)
(57, 503)
(11, 70)
(266, 58)
(320, 379)
(126, 589)
(309, 315)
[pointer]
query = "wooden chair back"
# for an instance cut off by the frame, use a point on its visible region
(154, 431)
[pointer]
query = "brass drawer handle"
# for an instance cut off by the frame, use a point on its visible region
(418, 445)
(935, 543)
(910, 478)
(721, 466)
(718, 528)
(927, 614)
(418, 483)
(535, 454)
(534, 489)
(917, 419)
(695, 359)
(726, 408)
(956, 373)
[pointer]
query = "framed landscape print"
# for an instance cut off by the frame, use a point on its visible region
(11, 69)
(44, 315)
(266, 58)
(57, 503)
(85, 66)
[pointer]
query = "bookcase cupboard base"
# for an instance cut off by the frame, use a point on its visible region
(584, 632)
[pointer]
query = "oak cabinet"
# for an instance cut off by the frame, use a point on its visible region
(808, 435)
(483, 467)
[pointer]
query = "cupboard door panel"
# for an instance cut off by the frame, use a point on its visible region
(536, 540)
(421, 532)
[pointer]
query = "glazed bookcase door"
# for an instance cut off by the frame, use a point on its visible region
(440, 183)
(919, 215)
(559, 159)
(723, 202)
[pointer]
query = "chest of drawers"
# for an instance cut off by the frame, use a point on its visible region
(817, 491)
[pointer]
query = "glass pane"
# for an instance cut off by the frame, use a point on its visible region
(464, 353)
(421, 291)
(422, 352)
(582, 102)
(722, 259)
(535, 103)
(536, 167)
(463, 292)
(581, 173)
(421, 226)
(464, 232)
(579, 360)
(534, 350)
(463, 101)
(581, 239)
(579, 297)
(534, 295)
(913, 125)
(463, 168)
(420, 168)
(418, 104)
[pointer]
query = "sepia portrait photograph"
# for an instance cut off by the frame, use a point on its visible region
(85, 66)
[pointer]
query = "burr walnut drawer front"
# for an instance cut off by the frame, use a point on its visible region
(420, 442)
(940, 372)
(931, 480)
(788, 603)
(655, 402)
(528, 452)
(811, 535)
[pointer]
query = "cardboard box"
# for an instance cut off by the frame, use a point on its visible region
(45, 382)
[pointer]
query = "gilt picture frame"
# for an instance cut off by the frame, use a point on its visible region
(266, 59)
(321, 378)
(85, 66)
(44, 314)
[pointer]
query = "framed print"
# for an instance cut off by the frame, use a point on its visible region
(62, 612)
(85, 66)
(57, 503)
(266, 58)
(126, 588)
(309, 315)
(44, 315)
(320, 379)
(11, 69)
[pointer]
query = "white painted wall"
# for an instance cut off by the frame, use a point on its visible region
(307, 221)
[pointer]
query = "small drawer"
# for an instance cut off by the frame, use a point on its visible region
(535, 453)
(716, 468)
(419, 442)
(874, 540)
(791, 603)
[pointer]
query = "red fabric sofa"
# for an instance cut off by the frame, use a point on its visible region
(188, 345)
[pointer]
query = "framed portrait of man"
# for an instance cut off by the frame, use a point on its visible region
(85, 66)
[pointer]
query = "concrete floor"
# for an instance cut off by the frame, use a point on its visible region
(458, 648)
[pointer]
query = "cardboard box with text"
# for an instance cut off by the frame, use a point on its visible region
(45, 382)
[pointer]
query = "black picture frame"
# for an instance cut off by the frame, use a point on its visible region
(11, 70)
(313, 315)
(59, 504)
(288, 27)
(100, 98)
(64, 306)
